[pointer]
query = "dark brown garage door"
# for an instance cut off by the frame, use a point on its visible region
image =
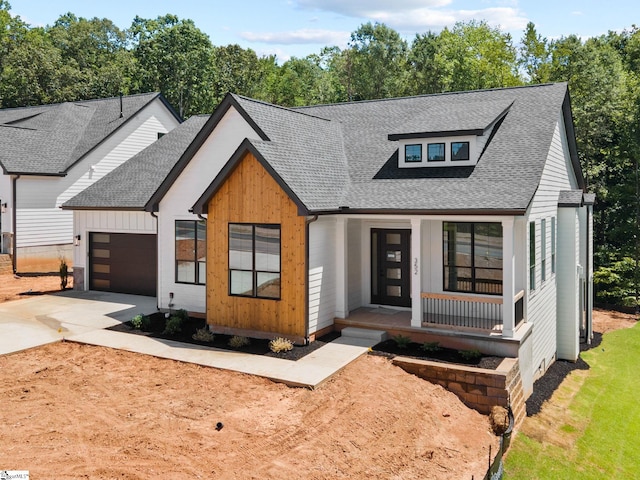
(122, 262)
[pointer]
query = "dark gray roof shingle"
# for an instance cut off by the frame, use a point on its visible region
(49, 139)
(131, 185)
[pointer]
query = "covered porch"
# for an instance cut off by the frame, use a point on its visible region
(441, 301)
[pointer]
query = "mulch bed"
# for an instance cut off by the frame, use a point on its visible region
(544, 387)
(391, 348)
(189, 327)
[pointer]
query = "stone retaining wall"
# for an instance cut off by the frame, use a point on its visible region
(478, 388)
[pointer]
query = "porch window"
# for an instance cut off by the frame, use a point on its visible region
(254, 260)
(191, 251)
(473, 257)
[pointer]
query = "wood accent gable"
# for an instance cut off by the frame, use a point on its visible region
(250, 194)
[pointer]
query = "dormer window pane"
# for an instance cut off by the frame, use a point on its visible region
(435, 152)
(459, 150)
(413, 153)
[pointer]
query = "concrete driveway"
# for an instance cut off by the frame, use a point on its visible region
(42, 319)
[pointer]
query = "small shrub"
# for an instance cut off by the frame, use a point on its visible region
(402, 341)
(203, 335)
(280, 344)
(238, 342)
(431, 347)
(137, 321)
(64, 273)
(470, 355)
(182, 314)
(173, 325)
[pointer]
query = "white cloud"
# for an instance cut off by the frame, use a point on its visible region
(365, 8)
(297, 37)
(577, 13)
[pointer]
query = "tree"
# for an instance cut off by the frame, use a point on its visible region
(236, 70)
(474, 56)
(534, 55)
(175, 58)
(376, 63)
(426, 72)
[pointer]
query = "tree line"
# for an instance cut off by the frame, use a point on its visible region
(78, 58)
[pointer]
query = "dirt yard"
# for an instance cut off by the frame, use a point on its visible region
(78, 411)
(12, 286)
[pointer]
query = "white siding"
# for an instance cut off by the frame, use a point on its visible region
(39, 220)
(541, 308)
(192, 182)
(322, 273)
(6, 197)
(568, 283)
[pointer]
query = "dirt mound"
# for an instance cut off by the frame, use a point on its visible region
(79, 410)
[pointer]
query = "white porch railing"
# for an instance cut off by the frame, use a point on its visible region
(461, 311)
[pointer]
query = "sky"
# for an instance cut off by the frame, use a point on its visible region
(297, 28)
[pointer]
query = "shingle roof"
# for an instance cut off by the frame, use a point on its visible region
(50, 139)
(131, 185)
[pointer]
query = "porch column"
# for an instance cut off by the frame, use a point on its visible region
(508, 277)
(342, 304)
(416, 272)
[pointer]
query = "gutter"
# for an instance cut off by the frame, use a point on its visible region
(14, 243)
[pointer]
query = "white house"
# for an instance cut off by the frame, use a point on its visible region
(49, 153)
(460, 218)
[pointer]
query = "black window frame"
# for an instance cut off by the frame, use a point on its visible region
(449, 261)
(196, 262)
(444, 151)
(532, 255)
(406, 158)
(254, 271)
(454, 159)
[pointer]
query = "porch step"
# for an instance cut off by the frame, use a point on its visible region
(5, 263)
(354, 332)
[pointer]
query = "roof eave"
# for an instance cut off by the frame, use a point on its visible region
(446, 212)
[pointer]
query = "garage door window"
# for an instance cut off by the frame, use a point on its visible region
(191, 252)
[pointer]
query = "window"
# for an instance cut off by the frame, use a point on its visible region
(254, 260)
(191, 251)
(459, 151)
(435, 152)
(161, 134)
(473, 257)
(532, 255)
(553, 244)
(543, 246)
(413, 153)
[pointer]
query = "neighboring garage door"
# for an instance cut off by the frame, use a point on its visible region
(122, 262)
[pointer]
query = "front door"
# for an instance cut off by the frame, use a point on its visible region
(390, 267)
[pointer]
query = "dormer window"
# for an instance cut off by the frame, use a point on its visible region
(435, 152)
(413, 153)
(459, 151)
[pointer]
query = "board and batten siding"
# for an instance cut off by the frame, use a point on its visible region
(87, 221)
(355, 286)
(322, 273)
(251, 195)
(40, 221)
(184, 192)
(541, 307)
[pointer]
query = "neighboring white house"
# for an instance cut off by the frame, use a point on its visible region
(461, 218)
(50, 153)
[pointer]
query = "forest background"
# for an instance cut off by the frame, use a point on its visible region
(78, 58)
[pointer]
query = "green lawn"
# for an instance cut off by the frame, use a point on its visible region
(604, 418)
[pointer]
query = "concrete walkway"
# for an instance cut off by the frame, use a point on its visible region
(83, 316)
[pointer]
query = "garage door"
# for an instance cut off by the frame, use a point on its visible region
(122, 262)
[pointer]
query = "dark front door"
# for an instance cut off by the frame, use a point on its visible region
(390, 263)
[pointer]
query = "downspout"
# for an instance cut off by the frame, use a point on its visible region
(588, 333)
(153, 214)
(307, 222)
(14, 216)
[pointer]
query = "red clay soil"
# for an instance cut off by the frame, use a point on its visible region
(79, 411)
(12, 286)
